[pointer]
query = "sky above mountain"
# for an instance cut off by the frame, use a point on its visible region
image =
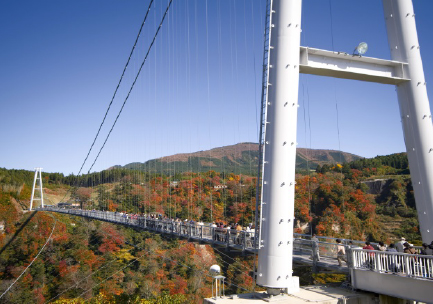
(199, 88)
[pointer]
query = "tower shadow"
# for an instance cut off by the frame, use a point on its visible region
(18, 232)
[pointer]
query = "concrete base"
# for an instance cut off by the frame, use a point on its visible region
(293, 286)
(394, 285)
(308, 294)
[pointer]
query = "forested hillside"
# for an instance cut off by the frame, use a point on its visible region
(112, 264)
(239, 159)
(90, 254)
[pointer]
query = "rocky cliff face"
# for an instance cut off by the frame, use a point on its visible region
(376, 186)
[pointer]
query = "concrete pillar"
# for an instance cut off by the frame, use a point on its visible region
(414, 108)
(275, 250)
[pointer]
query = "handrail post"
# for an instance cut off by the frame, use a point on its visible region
(244, 240)
(377, 262)
(352, 255)
(228, 238)
(315, 249)
(406, 261)
(349, 256)
(189, 231)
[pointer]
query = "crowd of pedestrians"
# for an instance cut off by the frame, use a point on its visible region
(233, 233)
(388, 263)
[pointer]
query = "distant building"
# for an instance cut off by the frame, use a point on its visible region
(218, 187)
(68, 205)
(174, 183)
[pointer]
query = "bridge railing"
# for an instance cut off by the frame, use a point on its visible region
(317, 249)
(411, 265)
(231, 238)
(244, 240)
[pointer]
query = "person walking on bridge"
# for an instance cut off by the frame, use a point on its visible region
(341, 253)
(315, 243)
(370, 260)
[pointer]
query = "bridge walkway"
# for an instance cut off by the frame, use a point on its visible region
(406, 276)
(242, 241)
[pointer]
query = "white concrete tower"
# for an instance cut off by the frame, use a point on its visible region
(414, 107)
(278, 192)
(38, 176)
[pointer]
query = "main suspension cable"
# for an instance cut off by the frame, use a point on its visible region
(132, 86)
(118, 85)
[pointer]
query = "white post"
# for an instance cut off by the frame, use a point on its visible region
(33, 190)
(38, 172)
(275, 250)
(414, 108)
(40, 187)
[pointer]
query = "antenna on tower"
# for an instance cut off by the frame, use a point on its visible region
(38, 176)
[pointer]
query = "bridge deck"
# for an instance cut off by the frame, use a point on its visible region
(242, 241)
(407, 276)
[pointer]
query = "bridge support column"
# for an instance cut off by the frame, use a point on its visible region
(415, 112)
(38, 176)
(278, 185)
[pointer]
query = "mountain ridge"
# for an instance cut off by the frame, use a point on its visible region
(241, 158)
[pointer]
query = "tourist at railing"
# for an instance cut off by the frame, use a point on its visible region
(239, 229)
(427, 249)
(370, 257)
(368, 246)
(227, 233)
(391, 248)
(408, 248)
(400, 245)
(341, 253)
(184, 227)
(220, 232)
(249, 235)
(353, 246)
(199, 227)
(393, 266)
(315, 250)
(424, 250)
(213, 228)
(177, 225)
(413, 261)
(381, 246)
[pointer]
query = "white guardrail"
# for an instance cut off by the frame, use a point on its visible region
(411, 265)
(243, 240)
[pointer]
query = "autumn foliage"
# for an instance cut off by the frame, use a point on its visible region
(97, 262)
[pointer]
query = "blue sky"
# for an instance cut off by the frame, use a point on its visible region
(200, 87)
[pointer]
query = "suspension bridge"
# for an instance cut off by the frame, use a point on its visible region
(404, 276)
(229, 239)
